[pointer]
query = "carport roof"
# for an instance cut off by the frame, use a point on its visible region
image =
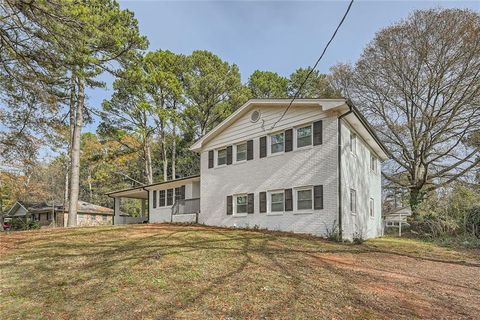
(142, 193)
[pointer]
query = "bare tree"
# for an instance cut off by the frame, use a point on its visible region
(418, 82)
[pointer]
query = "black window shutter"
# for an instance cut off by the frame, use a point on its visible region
(288, 200)
(263, 201)
(250, 150)
(182, 192)
(154, 198)
(229, 154)
(229, 205)
(263, 147)
(210, 159)
(318, 197)
(251, 203)
(317, 133)
(288, 140)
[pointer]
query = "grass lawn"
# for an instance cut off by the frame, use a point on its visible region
(163, 271)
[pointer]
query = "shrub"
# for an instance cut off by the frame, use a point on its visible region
(435, 226)
(20, 224)
(358, 237)
(472, 221)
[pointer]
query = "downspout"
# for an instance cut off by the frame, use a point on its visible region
(339, 135)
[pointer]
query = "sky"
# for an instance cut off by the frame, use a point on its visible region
(278, 36)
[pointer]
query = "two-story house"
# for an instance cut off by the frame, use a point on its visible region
(313, 167)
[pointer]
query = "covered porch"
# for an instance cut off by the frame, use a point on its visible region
(130, 206)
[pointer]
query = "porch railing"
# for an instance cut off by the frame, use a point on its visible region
(186, 206)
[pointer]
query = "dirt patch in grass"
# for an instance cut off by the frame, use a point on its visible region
(163, 271)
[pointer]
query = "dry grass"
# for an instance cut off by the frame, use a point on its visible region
(185, 272)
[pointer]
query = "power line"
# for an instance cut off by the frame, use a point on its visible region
(315, 65)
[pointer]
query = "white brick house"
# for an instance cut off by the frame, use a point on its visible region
(313, 170)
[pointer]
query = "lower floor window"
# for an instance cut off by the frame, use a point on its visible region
(304, 199)
(241, 204)
(277, 204)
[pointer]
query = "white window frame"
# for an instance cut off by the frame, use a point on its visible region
(295, 199)
(159, 205)
(373, 162)
(269, 202)
(353, 143)
(236, 152)
(240, 214)
(296, 136)
(269, 146)
(217, 157)
(353, 205)
(371, 208)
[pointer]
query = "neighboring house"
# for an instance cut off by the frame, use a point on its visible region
(312, 168)
(56, 215)
(396, 216)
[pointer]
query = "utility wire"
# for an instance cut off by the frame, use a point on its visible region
(314, 66)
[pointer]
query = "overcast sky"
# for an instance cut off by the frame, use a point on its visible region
(278, 36)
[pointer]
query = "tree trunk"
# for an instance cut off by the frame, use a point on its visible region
(1, 204)
(416, 197)
(164, 151)
(90, 190)
(148, 161)
(75, 157)
(174, 150)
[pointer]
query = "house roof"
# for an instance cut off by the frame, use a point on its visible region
(40, 207)
(342, 106)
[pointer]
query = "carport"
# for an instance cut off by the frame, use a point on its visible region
(123, 217)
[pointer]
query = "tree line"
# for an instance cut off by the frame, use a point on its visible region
(417, 82)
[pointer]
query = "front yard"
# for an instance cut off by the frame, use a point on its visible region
(163, 271)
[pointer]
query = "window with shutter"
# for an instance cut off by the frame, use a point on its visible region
(210, 159)
(250, 150)
(263, 147)
(317, 133)
(304, 198)
(229, 205)
(277, 143)
(304, 136)
(288, 200)
(288, 140)
(263, 201)
(318, 197)
(154, 198)
(221, 157)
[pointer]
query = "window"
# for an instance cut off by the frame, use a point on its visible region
(241, 152)
(277, 143)
(154, 198)
(276, 204)
(371, 208)
(169, 197)
(353, 201)
(304, 136)
(353, 143)
(304, 199)
(373, 162)
(94, 217)
(104, 218)
(178, 194)
(161, 198)
(49, 216)
(241, 204)
(222, 157)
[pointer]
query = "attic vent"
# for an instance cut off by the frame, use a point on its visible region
(255, 116)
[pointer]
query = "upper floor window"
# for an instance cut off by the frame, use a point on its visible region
(241, 203)
(371, 208)
(353, 201)
(222, 157)
(277, 143)
(304, 136)
(353, 143)
(241, 152)
(277, 202)
(373, 162)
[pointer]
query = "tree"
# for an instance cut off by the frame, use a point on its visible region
(266, 84)
(316, 86)
(418, 82)
(213, 91)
